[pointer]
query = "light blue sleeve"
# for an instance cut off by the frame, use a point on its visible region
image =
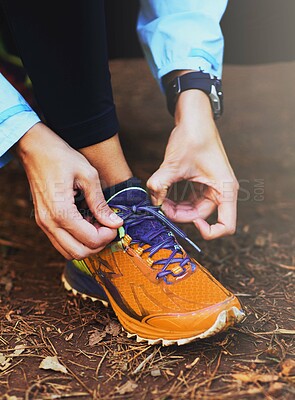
(182, 34)
(16, 118)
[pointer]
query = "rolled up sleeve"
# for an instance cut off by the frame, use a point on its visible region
(182, 34)
(16, 118)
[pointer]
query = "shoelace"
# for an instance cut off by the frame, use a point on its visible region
(143, 211)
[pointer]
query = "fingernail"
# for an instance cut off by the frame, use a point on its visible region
(155, 200)
(158, 202)
(115, 218)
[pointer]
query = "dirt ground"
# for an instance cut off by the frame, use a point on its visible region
(255, 360)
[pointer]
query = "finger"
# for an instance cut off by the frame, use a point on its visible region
(50, 221)
(159, 184)
(97, 203)
(82, 230)
(185, 212)
(74, 248)
(159, 196)
(58, 247)
(226, 223)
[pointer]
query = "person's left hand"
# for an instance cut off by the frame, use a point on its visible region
(195, 153)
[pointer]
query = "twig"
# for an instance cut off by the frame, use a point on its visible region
(289, 267)
(8, 243)
(215, 370)
(77, 378)
(142, 364)
(277, 332)
(100, 363)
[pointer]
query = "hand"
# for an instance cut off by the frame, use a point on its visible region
(195, 153)
(55, 172)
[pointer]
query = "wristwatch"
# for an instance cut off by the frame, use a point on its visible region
(208, 83)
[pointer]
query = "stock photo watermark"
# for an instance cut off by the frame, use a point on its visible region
(62, 199)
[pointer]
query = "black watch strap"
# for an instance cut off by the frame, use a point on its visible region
(195, 80)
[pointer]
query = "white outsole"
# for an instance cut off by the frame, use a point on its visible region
(219, 325)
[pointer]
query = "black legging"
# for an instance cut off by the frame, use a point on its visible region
(64, 50)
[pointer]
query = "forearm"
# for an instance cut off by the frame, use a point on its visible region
(16, 118)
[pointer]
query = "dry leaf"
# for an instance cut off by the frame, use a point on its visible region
(2, 359)
(128, 387)
(5, 362)
(19, 349)
(288, 367)
(53, 364)
(69, 337)
(96, 337)
(253, 377)
(113, 328)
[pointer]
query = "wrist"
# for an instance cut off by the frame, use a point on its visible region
(24, 145)
(37, 140)
(193, 107)
(178, 82)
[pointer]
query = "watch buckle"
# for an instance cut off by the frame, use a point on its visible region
(177, 85)
(215, 101)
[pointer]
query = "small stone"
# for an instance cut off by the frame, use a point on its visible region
(246, 228)
(128, 387)
(260, 241)
(155, 372)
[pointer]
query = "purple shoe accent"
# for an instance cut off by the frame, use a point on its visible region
(83, 283)
(147, 225)
(112, 190)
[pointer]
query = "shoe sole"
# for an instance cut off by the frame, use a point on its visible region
(224, 320)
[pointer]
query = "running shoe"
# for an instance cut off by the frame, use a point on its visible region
(159, 293)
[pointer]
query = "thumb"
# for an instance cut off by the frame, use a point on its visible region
(103, 213)
(98, 206)
(158, 185)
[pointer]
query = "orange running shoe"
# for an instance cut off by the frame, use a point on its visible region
(158, 292)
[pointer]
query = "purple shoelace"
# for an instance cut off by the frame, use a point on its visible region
(158, 237)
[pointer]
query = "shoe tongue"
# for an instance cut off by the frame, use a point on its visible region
(133, 196)
(129, 197)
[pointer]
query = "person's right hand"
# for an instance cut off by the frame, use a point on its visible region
(55, 172)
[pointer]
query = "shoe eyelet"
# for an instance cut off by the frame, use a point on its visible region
(177, 270)
(149, 261)
(126, 240)
(139, 251)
